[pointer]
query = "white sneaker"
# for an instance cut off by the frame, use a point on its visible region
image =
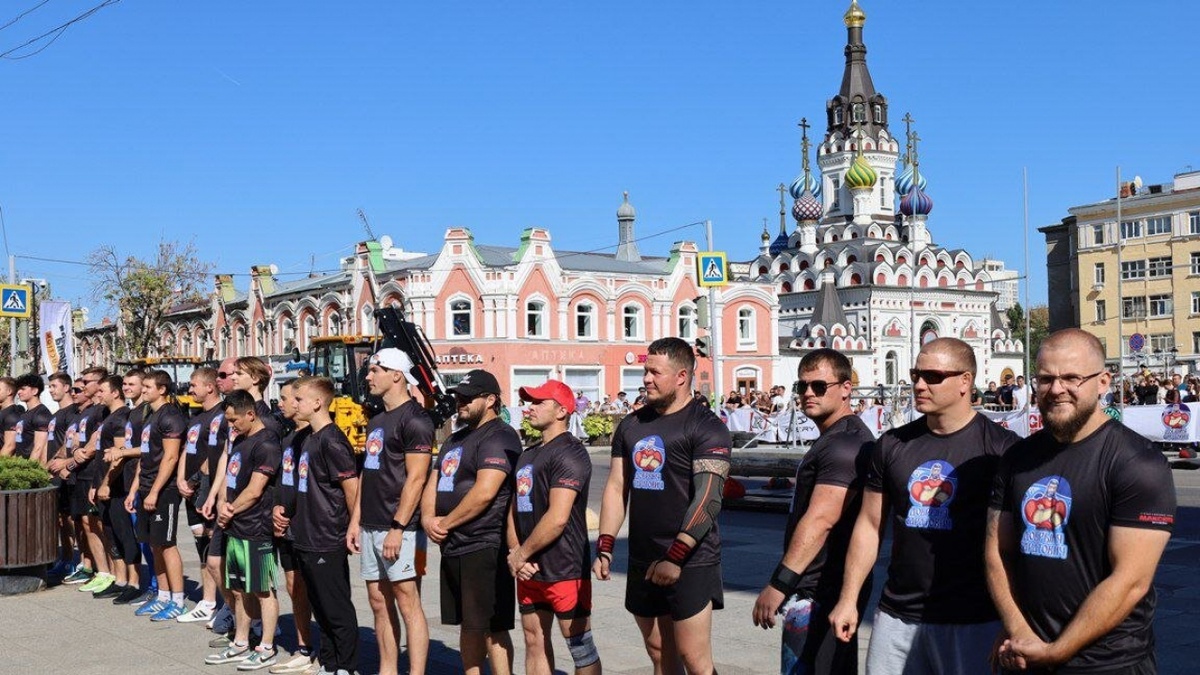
(200, 612)
(299, 663)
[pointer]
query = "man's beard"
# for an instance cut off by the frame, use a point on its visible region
(1065, 429)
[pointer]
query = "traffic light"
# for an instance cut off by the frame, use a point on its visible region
(703, 346)
(702, 311)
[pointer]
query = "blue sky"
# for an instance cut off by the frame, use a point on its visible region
(258, 128)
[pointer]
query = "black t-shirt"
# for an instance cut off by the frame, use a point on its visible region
(10, 416)
(991, 397)
(256, 453)
(493, 445)
(658, 451)
(134, 422)
(322, 515)
(87, 428)
(938, 489)
(165, 423)
(561, 463)
(203, 440)
(1062, 500)
(112, 428)
(34, 420)
(285, 483)
(56, 431)
(391, 437)
(263, 410)
(215, 435)
(840, 458)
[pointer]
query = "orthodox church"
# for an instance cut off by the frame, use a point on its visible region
(860, 271)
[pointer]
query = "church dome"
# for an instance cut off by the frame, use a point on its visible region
(916, 203)
(625, 210)
(860, 175)
(807, 208)
(780, 244)
(855, 17)
(904, 182)
(798, 185)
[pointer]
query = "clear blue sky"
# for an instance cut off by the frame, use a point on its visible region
(259, 127)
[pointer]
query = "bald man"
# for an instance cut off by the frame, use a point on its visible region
(1080, 514)
(933, 476)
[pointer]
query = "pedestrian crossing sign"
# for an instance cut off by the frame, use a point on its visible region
(713, 268)
(14, 302)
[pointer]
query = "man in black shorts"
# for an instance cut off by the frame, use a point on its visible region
(65, 467)
(194, 480)
(214, 561)
(156, 501)
(465, 510)
(111, 490)
(32, 430)
(669, 461)
(56, 435)
(1080, 515)
(549, 541)
(933, 477)
(386, 524)
(244, 513)
(87, 466)
(829, 482)
(326, 489)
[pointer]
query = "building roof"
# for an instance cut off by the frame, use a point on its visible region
(828, 310)
(573, 261)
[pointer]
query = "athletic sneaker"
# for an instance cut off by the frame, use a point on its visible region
(150, 595)
(261, 658)
(128, 596)
(98, 583)
(231, 654)
(114, 589)
(150, 608)
(221, 641)
(80, 575)
(201, 612)
(169, 613)
(299, 663)
(222, 621)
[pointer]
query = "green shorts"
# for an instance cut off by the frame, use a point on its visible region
(249, 565)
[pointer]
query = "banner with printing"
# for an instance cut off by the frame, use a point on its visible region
(54, 332)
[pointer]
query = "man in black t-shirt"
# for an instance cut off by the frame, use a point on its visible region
(386, 524)
(244, 513)
(32, 429)
(326, 490)
(465, 511)
(56, 433)
(10, 416)
(669, 462)
(549, 543)
(64, 466)
(829, 483)
(111, 492)
(932, 477)
(193, 477)
(156, 500)
(1084, 503)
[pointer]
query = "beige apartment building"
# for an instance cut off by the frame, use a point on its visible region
(1139, 277)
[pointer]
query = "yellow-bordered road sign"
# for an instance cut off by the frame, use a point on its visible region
(14, 302)
(712, 268)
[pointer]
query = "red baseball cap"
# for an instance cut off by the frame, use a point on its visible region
(553, 390)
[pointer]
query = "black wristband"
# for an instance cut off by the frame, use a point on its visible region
(604, 545)
(785, 580)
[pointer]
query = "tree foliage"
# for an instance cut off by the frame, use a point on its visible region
(1039, 326)
(142, 292)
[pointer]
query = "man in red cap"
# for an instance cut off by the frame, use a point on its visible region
(548, 541)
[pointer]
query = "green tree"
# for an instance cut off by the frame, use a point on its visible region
(142, 292)
(1039, 325)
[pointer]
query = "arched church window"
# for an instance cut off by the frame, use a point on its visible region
(878, 114)
(859, 113)
(837, 115)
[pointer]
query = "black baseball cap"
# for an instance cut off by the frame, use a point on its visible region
(477, 383)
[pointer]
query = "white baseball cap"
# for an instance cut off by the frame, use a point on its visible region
(395, 359)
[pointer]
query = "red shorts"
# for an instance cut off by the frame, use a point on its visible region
(568, 599)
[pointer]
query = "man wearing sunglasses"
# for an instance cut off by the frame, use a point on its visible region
(828, 493)
(1080, 515)
(933, 477)
(464, 510)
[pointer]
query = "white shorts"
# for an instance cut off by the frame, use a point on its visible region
(410, 564)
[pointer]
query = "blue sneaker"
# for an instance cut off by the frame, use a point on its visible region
(144, 597)
(150, 608)
(168, 613)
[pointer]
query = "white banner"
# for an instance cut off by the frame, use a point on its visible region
(54, 333)
(1175, 423)
(1020, 422)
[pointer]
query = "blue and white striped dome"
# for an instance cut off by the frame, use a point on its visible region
(797, 189)
(904, 183)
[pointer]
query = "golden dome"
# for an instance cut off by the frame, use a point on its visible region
(855, 17)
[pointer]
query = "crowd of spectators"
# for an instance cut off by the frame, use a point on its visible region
(1146, 388)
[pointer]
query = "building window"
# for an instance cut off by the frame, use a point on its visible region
(289, 334)
(1131, 229)
(368, 320)
(1159, 225)
(535, 319)
(335, 323)
(1162, 342)
(837, 188)
(1101, 311)
(521, 377)
(883, 193)
(1195, 302)
(460, 318)
(687, 322)
(878, 114)
(1098, 274)
(1133, 308)
(240, 334)
(837, 115)
(1196, 343)
(1194, 222)
(585, 321)
(631, 381)
(745, 326)
(1160, 305)
(310, 330)
(584, 381)
(631, 320)
(1098, 234)
(891, 368)
(1133, 269)
(1195, 266)
(859, 113)
(1159, 267)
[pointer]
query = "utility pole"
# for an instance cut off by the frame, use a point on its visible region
(714, 323)
(12, 323)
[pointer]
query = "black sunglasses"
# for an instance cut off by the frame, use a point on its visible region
(818, 387)
(933, 376)
(76, 390)
(222, 376)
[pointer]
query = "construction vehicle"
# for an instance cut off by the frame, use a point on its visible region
(344, 360)
(180, 368)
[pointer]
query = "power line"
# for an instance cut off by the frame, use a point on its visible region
(56, 32)
(22, 14)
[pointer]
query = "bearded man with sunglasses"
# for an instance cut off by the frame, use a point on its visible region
(828, 493)
(933, 477)
(1080, 515)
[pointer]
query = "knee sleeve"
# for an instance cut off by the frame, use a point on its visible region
(202, 547)
(583, 649)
